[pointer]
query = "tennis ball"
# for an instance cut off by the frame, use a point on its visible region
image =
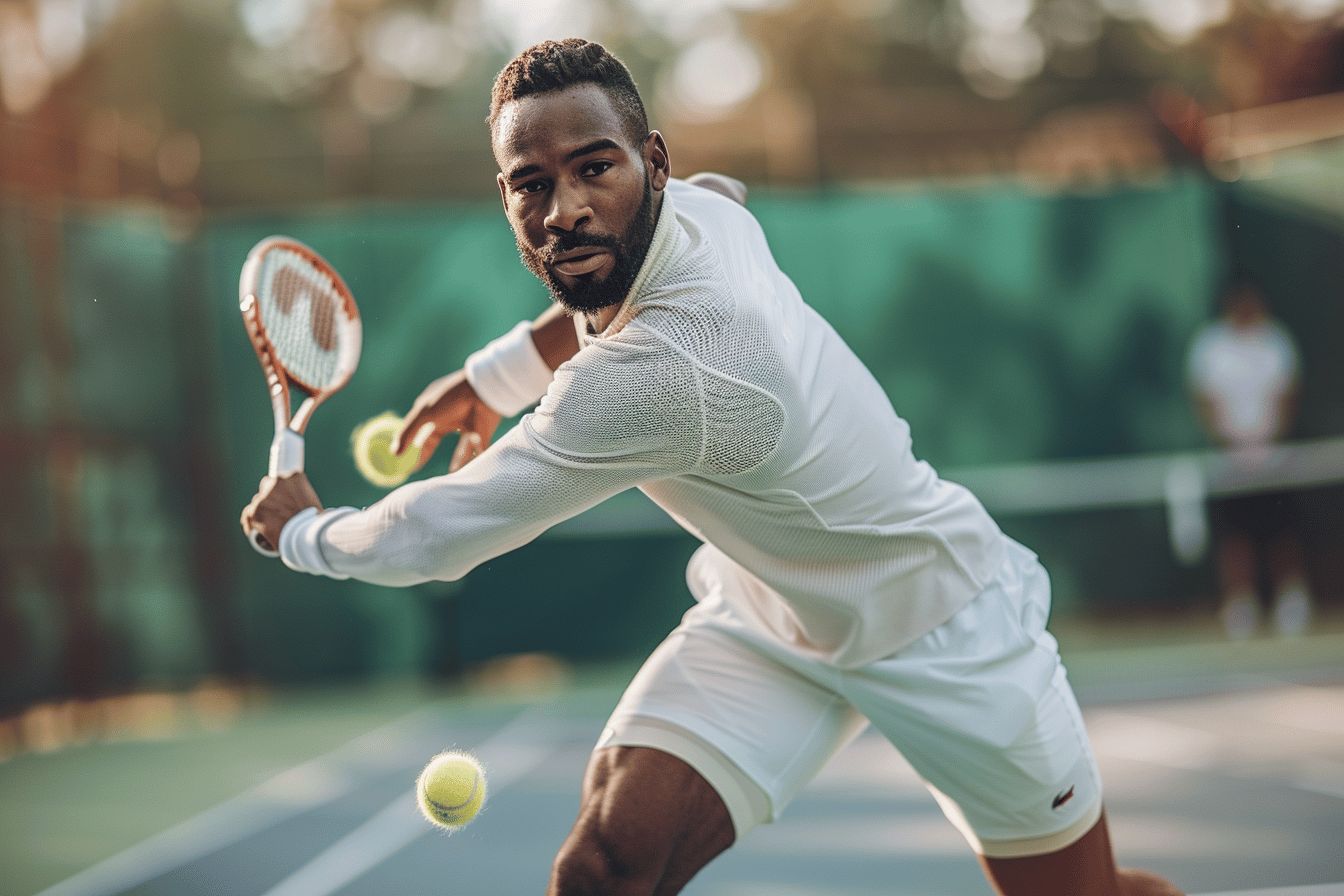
(451, 789)
(371, 443)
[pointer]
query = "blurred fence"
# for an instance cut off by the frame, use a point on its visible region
(1007, 326)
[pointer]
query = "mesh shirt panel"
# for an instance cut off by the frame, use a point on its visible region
(630, 401)
(741, 373)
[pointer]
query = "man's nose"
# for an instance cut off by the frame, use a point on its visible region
(569, 210)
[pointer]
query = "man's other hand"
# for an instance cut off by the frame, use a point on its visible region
(448, 405)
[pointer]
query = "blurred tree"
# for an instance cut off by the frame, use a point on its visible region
(261, 102)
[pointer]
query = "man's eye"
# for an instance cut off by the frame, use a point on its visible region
(600, 167)
(532, 186)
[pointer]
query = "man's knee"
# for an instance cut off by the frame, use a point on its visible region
(597, 862)
(1136, 882)
(649, 822)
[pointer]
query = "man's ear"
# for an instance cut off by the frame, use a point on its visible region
(657, 160)
(503, 191)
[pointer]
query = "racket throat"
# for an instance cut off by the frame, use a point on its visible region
(299, 422)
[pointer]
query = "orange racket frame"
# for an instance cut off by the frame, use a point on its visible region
(287, 447)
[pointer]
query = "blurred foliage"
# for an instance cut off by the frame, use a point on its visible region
(271, 101)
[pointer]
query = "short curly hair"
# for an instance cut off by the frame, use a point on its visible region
(559, 64)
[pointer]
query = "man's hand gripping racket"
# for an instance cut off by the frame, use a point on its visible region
(302, 321)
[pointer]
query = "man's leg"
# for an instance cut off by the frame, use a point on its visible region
(1084, 868)
(647, 823)
(677, 773)
(982, 709)
(1240, 608)
(1292, 594)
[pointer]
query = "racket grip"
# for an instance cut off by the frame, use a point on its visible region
(286, 453)
(286, 458)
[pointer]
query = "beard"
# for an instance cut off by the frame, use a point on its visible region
(627, 252)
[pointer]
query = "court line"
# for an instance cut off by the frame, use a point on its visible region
(1142, 738)
(508, 755)
(1316, 663)
(292, 792)
(1310, 890)
(1321, 776)
(777, 890)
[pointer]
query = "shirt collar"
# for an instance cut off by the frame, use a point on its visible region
(662, 249)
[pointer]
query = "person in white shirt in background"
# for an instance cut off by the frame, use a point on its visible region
(840, 583)
(1243, 374)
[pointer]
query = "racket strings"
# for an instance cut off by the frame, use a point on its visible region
(290, 287)
(301, 311)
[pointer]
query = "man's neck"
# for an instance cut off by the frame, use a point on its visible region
(599, 320)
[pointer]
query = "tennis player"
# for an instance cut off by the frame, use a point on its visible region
(840, 583)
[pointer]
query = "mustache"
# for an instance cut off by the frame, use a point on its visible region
(568, 242)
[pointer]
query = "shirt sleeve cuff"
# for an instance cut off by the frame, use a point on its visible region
(509, 373)
(301, 540)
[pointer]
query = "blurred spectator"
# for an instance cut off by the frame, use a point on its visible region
(1243, 370)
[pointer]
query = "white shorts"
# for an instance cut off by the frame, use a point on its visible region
(980, 707)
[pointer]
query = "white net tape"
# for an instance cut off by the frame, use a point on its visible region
(1180, 483)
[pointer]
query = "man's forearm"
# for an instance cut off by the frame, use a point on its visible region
(1206, 412)
(1283, 422)
(513, 371)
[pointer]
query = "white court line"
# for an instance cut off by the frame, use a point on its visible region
(1314, 890)
(785, 890)
(508, 754)
(1140, 738)
(297, 790)
(1322, 776)
(1143, 738)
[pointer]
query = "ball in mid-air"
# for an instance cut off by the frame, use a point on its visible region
(371, 443)
(451, 789)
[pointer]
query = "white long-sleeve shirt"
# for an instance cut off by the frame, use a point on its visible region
(1246, 372)
(738, 410)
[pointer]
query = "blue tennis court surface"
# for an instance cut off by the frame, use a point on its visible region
(1224, 766)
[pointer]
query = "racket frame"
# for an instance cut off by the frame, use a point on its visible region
(286, 454)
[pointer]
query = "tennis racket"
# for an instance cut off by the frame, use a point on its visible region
(304, 326)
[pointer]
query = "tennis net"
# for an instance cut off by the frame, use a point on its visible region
(1181, 482)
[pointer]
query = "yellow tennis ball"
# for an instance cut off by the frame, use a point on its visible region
(371, 443)
(451, 789)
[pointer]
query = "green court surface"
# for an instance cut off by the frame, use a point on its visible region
(1224, 767)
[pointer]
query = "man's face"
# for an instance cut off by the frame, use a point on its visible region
(581, 199)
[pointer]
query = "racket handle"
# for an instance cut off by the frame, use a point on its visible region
(286, 453)
(286, 458)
